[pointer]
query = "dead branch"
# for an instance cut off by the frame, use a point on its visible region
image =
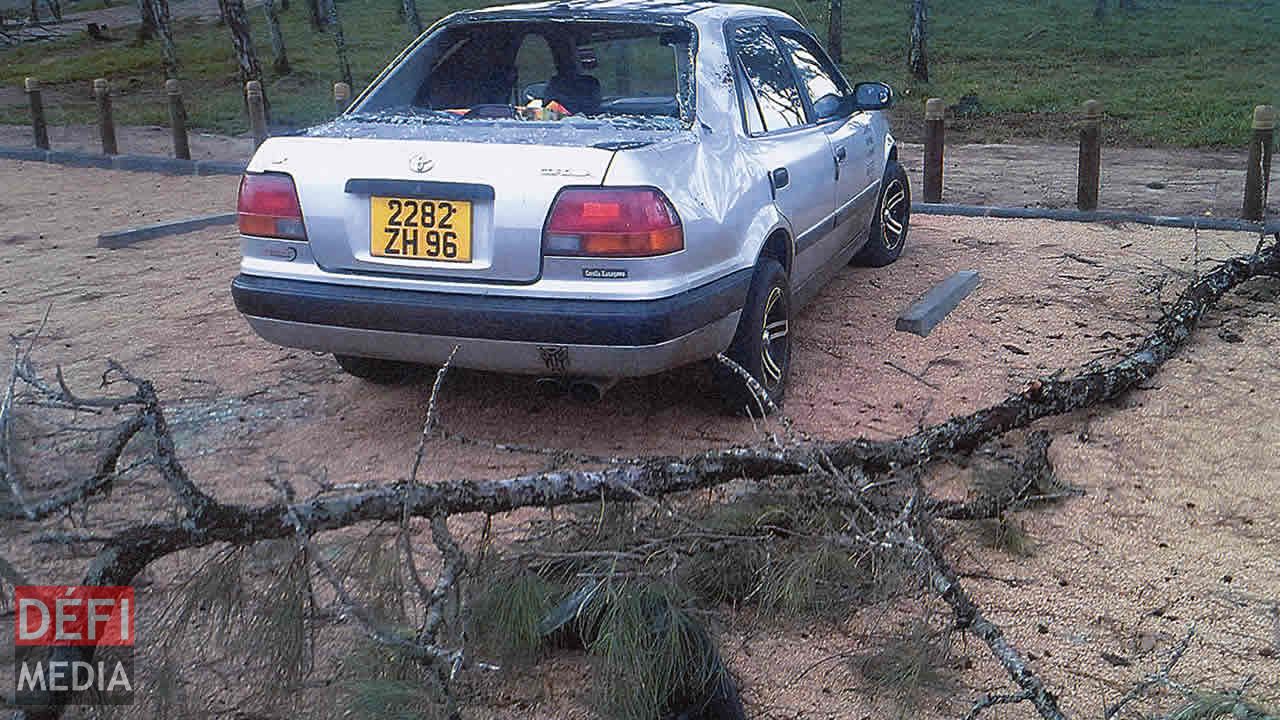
(208, 522)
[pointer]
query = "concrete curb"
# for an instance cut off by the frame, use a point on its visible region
(125, 238)
(925, 314)
(78, 159)
(1176, 221)
(135, 163)
(154, 163)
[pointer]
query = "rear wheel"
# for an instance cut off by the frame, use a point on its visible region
(380, 372)
(762, 345)
(891, 221)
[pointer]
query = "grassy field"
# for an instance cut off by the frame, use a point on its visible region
(1172, 72)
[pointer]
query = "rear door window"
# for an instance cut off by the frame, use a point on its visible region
(770, 84)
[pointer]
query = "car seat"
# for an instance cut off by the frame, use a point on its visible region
(579, 94)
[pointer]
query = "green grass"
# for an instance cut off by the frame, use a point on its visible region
(1172, 72)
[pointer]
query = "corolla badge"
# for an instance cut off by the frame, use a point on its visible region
(421, 163)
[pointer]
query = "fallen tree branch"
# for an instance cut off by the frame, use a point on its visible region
(208, 522)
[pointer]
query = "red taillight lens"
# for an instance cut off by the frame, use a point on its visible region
(268, 207)
(613, 222)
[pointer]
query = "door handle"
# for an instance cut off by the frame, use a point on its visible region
(841, 154)
(780, 178)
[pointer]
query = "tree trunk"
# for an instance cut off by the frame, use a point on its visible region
(835, 31)
(1100, 10)
(147, 13)
(237, 20)
(339, 43)
(313, 10)
(34, 15)
(164, 29)
(280, 58)
(918, 56)
(411, 16)
(55, 8)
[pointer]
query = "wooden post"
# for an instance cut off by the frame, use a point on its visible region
(257, 113)
(341, 96)
(106, 124)
(1090, 167)
(934, 140)
(177, 120)
(1258, 175)
(39, 128)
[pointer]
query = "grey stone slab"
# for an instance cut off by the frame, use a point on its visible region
(79, 159)
(154, 163)
(925, 314)
(124, 238)
(23, 153)
(219, 167)
(1120, 216)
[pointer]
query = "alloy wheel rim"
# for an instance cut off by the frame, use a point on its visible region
(773, 348)
(893, 214)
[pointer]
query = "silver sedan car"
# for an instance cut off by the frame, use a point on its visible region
(577, 190)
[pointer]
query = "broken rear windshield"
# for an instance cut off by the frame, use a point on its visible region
(624, 73)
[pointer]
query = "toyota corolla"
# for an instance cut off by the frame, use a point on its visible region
(578, 190)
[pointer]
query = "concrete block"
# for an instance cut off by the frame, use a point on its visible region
(154, 163)
(928, 311)
(219, 167)
(11, 152)
(77, 158)
(124, 238)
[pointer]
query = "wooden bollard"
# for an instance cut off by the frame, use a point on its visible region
(177, 119)
(1257, 176)
(106, 123)
(39, 128)
(934, 141)
(257, 111)
(1090, 167)
(341, 96)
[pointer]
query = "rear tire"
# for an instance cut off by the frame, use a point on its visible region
(892, 220)
(379, 372)
(762, 344)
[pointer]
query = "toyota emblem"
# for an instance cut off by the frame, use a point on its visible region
(421, 163)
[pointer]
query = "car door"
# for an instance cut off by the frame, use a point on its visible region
(782, 140)
(850, 135)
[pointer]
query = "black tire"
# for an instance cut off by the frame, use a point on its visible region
(379, 372)
(762, 344)
(891, 221)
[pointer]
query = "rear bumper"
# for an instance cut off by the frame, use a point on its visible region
(598, 338)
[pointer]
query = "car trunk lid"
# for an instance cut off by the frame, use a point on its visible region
(357, 194)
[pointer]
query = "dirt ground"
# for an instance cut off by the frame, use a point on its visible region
(1162, 181)
(1179, 526)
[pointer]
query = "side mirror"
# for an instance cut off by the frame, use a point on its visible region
(872, 96)
(829, 106)
(535, 91)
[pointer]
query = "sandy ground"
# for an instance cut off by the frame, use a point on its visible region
(1180, 525)
(1164, 181)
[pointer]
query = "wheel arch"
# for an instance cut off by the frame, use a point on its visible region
(779, 246)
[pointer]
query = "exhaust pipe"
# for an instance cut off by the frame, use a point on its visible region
(590, 390)
(549, 387)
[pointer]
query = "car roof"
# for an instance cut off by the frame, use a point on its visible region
(629, 10)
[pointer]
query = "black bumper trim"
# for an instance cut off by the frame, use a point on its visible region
(547, 320)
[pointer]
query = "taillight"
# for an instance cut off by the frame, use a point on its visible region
(268, 207)
(612, 222)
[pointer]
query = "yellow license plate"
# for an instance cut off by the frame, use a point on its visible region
(420, 229)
